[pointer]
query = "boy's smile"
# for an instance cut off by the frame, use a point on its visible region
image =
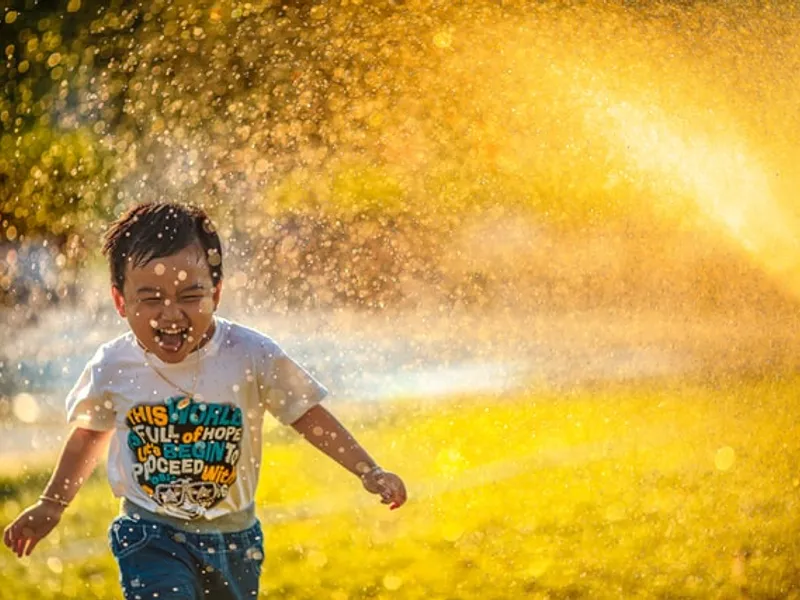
(169, 303)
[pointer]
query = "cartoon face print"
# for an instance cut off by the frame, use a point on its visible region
(185, 452)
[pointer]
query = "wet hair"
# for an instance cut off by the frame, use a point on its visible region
(156, 230)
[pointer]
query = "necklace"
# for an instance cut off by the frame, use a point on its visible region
(188, 396)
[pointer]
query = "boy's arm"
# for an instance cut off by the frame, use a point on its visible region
(76, 462)
(324, 432)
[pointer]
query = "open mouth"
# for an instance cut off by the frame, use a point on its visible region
(172, 339)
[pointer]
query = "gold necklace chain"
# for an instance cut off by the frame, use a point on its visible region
(187, 394)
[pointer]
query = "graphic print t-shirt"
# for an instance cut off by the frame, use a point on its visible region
(192, 456)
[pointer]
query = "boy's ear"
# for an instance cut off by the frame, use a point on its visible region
(215, 295)
(119, 301)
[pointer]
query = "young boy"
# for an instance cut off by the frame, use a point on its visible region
(181, 398)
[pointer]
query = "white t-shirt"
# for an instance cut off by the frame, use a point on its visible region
(190, 458)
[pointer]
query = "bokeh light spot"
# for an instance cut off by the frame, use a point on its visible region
(392, 582)
(26, 408)
(55, 565)
(724, 458)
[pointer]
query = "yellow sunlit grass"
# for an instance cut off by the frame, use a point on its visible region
(634, 492)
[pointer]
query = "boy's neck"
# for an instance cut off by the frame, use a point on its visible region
(207, 335)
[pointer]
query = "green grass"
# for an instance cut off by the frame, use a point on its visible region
(623, 492)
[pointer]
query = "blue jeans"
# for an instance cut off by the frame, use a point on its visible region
(157, 561)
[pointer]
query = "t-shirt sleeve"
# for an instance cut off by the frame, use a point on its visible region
(288, 390)
(89, 405)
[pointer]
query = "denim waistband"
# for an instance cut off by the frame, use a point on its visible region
(230, 523)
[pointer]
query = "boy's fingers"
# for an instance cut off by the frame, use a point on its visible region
(399, 497)
(391, 490)
(397, 489)
(395, 494)
(20, 547)
(399, 500)
(31, 546)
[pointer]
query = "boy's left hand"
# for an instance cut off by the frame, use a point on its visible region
(388, 485)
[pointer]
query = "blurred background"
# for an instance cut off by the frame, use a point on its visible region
(417, 198)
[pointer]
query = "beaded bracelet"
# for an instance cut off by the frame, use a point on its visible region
(376, 469)
(63, 503)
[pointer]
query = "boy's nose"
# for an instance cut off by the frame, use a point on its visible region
(171, 311)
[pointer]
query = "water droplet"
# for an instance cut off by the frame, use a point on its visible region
(443, 39)
(392, 582)
(160, 269)
(255, 554)
(206, 305)
(317, 558)
(55, 565)
(452, 531)
(238, 280)
(25, 408)
(724, 458)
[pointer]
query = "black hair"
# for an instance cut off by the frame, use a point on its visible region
(158, 229)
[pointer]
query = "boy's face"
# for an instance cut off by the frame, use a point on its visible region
(169, 303)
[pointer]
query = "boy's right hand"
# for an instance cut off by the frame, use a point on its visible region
(33, 524)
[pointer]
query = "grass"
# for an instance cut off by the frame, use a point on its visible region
(616, 492)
